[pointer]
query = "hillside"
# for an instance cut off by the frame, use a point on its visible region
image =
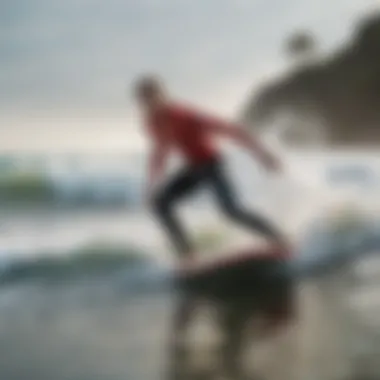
(342, 90)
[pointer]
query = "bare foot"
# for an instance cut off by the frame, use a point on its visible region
(283, 248)
(186, 263)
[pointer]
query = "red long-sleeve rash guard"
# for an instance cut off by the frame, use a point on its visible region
(185, 130)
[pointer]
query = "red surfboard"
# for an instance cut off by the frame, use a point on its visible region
(234, 258)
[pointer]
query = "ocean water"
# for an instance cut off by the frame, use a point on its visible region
(98, 330)
(82, 333)
(312, 183)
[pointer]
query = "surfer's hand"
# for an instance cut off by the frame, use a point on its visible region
(148, 199)
(272, 163)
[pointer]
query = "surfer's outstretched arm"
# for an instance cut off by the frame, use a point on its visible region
(156, 161)
(156, 167)
(243, 138)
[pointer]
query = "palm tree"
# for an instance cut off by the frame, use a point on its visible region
(301, 46)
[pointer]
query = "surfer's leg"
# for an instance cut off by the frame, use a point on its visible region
(232, 208)
(165, 203)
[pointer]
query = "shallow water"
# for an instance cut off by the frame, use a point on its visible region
(99, 329)
(80, 332)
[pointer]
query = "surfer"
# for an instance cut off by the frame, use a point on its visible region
(175, 127)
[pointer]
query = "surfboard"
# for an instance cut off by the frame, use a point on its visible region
(239, 274)
(232, 259)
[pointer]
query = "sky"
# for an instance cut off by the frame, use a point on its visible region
(66, 65)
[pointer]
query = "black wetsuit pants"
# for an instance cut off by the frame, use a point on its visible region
(213, 176)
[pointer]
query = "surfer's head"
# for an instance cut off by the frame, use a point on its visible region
(149, 91)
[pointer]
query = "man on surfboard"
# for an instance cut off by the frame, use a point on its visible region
(174, 127)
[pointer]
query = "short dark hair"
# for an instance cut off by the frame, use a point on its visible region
(147, 85)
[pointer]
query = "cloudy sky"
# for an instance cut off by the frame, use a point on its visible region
(65, 65)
